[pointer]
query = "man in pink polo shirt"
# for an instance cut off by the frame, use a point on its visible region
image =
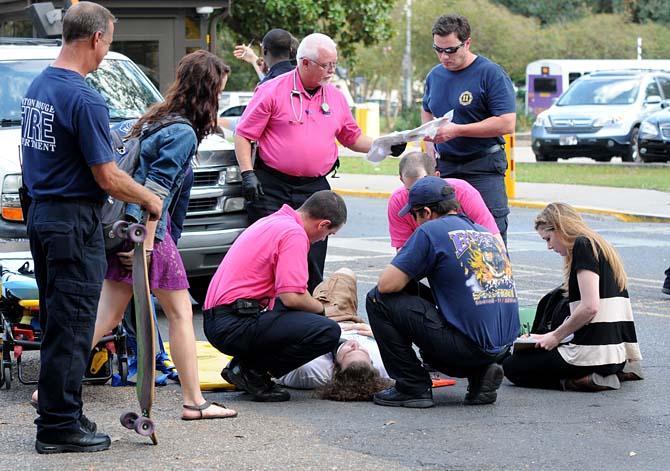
(416, 165)
(296, 119)
(257, 307)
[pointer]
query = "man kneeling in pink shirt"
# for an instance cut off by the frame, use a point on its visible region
(258, 308)
(416, 165)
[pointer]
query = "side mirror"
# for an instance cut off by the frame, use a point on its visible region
(665, 104)
(652, 100)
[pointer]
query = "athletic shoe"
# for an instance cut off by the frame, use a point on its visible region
(81, 441)
(483, 389)
(394, 398)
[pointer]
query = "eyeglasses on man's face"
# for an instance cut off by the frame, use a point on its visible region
(329, 66)
(447, 50)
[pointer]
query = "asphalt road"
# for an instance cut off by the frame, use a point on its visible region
(525, 429)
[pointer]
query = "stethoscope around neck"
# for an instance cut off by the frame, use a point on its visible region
(297, 117)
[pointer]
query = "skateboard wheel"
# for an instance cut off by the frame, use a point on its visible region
(129, 419)
(145, 426)
(120, 229)
(137, 233)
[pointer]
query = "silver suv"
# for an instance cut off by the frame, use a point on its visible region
(599, 116)
(216, 214)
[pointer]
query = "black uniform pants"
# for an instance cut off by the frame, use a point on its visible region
(67, 246)
(276, 341)
(487, 174)
(282, 189)
(399, 320)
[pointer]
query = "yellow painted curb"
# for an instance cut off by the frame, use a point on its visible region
(620, 215)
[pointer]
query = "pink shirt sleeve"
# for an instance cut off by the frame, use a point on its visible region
(400, 228)
(291, 271)
(349, 131)
(472, 204)
(256, 115)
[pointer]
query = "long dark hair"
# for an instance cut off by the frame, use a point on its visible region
(194, 94)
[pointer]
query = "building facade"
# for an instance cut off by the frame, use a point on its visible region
(154, 34)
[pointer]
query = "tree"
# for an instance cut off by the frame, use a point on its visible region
(348, 22)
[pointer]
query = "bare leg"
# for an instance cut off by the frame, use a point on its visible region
(177, 307)
(114, 299)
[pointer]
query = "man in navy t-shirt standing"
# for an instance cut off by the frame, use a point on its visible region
(473, 318)
(68, 167)
(481, 94)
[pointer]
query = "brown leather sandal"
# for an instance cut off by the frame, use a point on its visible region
(204, 406)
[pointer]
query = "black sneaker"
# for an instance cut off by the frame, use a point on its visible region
(483, 389)
(666, 285)
(82, 441)
(394, 398)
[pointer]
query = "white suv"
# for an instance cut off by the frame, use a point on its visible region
(216, 214)
(599, 116)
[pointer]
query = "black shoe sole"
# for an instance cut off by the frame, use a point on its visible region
(271, 398)
(410, 403)
(666, 290)
(49, 449)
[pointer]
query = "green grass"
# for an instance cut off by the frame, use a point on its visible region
(621, 176)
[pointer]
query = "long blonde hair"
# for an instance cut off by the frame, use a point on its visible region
(564, 220)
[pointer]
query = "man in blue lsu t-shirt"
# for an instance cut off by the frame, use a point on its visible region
(482, 96)
(473, 318)
(68, 167)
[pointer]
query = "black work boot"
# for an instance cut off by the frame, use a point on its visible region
(394, 398)
(483, 388)
(81, 441)
(258, 384)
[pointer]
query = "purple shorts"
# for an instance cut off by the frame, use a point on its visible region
(166, 270)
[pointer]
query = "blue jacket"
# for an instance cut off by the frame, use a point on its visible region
(164, 160)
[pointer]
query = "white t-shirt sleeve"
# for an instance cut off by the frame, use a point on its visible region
(311, 375)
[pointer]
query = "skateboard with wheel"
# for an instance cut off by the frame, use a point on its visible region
(145, 330)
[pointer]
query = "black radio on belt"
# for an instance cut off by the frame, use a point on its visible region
(246, 307)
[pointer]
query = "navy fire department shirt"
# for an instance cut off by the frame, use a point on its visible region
(65, 131)
(481, 90)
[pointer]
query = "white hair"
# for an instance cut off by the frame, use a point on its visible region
(310, 45)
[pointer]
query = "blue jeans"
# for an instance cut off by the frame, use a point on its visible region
(67, 246)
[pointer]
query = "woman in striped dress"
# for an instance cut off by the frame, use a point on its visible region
(596, 347)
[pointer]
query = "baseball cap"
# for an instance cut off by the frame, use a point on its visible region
(426, 191)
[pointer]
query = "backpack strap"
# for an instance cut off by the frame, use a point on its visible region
(169, 120)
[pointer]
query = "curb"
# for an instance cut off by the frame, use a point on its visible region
(620, 215)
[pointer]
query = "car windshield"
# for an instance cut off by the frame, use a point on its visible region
(610, 91)
(126, 90)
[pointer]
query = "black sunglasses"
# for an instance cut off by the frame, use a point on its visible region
(447, 50)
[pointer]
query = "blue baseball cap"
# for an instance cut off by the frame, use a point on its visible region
(426, 191)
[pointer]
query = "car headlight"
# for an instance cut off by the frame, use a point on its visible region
(230, 175)
(648, 129)
(608, 121)
(10, 203)
(542, 120)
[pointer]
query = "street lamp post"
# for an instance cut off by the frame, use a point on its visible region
(407, 59)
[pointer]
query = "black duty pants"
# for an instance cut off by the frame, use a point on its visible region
(487, 175)
(540, 368)
(283, 189)
(399, 320)
(276, 341)
(69, 254)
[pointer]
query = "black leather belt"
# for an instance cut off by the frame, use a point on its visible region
(477, 155)
(290, 179)
(243, 307)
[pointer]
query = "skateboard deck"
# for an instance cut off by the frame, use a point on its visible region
(210, 363)
(146, 351)
(145, 333)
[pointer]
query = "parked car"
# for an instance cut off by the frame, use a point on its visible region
(216, 214)
(654, 138)
(599, 116)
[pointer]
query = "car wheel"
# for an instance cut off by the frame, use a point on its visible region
(541, 157)
(633, 152)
